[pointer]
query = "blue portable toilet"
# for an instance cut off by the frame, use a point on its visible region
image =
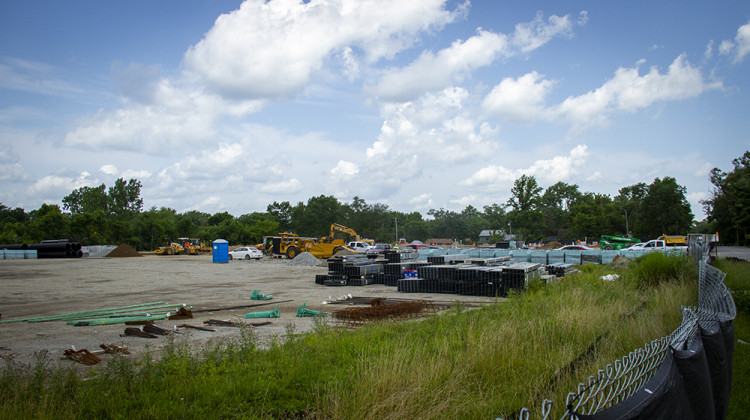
(221, 251)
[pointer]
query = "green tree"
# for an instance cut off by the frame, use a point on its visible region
(629, 202)
(282, 212)
(556, 203)
(730, 201)
(48, 222)
(595, 215)
(666, 209)
(315, 217)
(87, 200)
(526, 218)
(124, 198)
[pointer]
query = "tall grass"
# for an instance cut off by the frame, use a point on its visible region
(738, 282)
(477, 363)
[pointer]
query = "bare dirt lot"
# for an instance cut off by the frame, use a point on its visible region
(33, 288)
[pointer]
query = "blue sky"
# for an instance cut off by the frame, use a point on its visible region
(230, 106)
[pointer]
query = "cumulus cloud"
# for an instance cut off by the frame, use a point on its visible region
(271, 49)
(422, 201)
(432, 71)
(56, 186)
(558, 168)
(345, 169)
(520, 99)
(628, 91)
(743, 42)
(109, 169)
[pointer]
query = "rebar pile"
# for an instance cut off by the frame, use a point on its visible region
(351, 317)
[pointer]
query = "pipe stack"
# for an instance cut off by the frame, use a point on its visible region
(59, 248)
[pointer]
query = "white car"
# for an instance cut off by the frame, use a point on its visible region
(245, 253)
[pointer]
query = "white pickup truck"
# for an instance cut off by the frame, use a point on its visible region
(359, 247)
(658, 244)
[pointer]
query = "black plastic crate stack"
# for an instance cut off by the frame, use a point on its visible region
(398, 255)
(559, 269)
(481, 281)
(490, 262)
(516, 276)
(447, 259)
(362, 274)
(395, 271)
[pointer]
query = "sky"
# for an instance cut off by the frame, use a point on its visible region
(229, 105)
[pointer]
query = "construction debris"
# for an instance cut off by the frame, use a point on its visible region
(303, 312)
(355, 316)
(257, 295)
(195, 327)
(182, 313)
(90, 358)
(274, 313)
(220, 323)
(82, 356)
(136, 332)
(153, 329)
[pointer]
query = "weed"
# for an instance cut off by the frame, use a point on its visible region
(657, 267)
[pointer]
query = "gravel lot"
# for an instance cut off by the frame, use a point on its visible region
(45, 287)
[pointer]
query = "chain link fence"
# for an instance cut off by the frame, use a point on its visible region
(686, 374)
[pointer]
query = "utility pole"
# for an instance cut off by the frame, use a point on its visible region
(396, 221)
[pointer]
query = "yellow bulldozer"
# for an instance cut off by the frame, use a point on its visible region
(329, 245)
(194, 246)
(170, 248)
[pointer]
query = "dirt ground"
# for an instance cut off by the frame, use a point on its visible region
(32, 288)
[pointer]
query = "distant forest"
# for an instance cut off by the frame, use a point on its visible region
(115, 215)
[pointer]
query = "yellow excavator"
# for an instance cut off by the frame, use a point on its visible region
(329, 245)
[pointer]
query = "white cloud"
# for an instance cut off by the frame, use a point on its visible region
(345, 169)
(56, 186)
(743, 42)
(109, 169)
(725, 47)
(629, 91)
(432, 72)
(520, 99)
(532, 35)
(422, 201)
(465, 201)
(271, 49)
(289, 186)
(558, 168)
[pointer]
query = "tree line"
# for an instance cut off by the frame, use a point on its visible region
(114, 215)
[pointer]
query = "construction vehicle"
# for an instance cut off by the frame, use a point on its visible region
(329, 245)
(288, 244)
(170, 248)
(194, 246)
(673, 240)
(608, 242)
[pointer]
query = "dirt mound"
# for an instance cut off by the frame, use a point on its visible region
(124, 250)
(551, 245)
(620, 262)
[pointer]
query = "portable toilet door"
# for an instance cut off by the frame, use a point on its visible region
(221, 251)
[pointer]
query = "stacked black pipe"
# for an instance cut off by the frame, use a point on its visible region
(51, 249)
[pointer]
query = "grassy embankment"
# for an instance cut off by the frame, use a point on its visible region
(463, 364)
(738, 282)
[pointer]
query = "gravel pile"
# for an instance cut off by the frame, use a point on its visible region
(304, 259)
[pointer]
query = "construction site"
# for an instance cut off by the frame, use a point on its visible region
(218, 296)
